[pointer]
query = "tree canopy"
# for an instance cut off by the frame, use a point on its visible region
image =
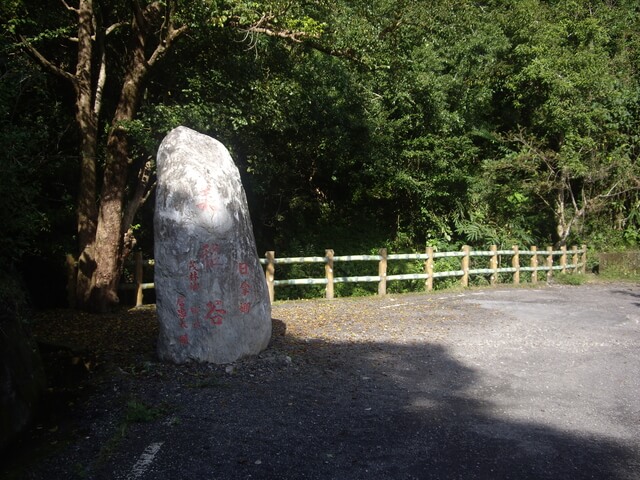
(355, 124)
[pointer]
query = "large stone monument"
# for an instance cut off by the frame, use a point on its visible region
(211, 294)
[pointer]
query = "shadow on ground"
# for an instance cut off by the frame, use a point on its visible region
(312, 409)
(380, 410)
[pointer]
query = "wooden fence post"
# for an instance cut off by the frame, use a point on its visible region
(428, 267)
(574, 259)
(270, 273)
(138, 278)
(328, 271)
(515, 263)
(563, 259)
(493, 264)
(534, 264)
(549, 263)
(584, 259)
(72, 275)
(382, 272)
(465, 266)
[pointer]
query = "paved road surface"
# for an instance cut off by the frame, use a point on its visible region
(490, 384)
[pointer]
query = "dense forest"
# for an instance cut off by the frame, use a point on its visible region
(355, 124)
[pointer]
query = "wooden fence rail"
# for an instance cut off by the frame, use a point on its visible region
(574, 260)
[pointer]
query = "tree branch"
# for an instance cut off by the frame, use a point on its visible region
(138, 15)
(45, 63)
(102, 79)
(162, 48)
(296, 37)
(346, 53)
(115, 26)
(110, 29)
(167, 41)
(143, 190)
(69, 7)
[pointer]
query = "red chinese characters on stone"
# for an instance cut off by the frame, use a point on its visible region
(194, 277)
(183, 339)
(245, 288)
(205, 205)
(182, 312)
(243, 268)
(190, 317)
(215, 312)
(210, 256)
(245, 307)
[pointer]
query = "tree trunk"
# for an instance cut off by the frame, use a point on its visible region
(107, 248)
(561, 221)
(101, 219)
(87, 122)
(564, 226)
(87, 215)
(87, 212)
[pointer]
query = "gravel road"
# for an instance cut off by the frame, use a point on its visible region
(527, 383)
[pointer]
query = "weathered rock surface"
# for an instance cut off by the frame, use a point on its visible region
(212, 298)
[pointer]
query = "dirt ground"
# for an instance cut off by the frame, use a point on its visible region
(497, 383)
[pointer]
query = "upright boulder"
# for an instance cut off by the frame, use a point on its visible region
(211, 294)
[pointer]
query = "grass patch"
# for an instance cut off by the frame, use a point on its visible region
(570, 279)
(140, 412)
(619, 266)
(615, 274)
(135, 411)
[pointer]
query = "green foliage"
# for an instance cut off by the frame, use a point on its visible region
(615, 265)
(140, 412)
(18, 168)
(365, 124)
(34, 201)
(567, 100)
(575, 279)
(620, 274)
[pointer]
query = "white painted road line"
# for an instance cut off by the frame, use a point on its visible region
(145, 461)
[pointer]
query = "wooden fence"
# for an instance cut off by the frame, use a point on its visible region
(540, 261)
